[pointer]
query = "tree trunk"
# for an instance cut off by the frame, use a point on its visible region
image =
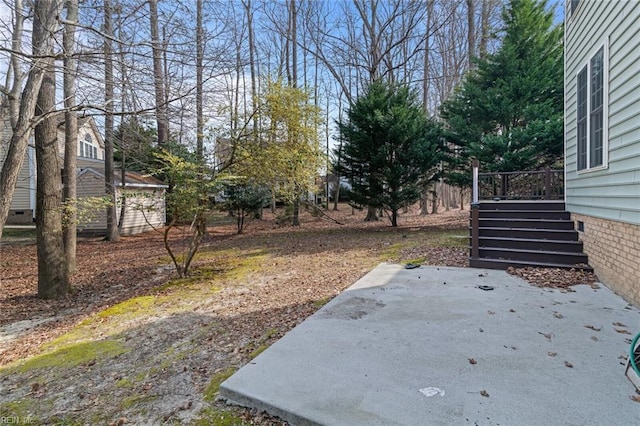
(295, 221)
(294, 45)
(158, 76)
(471, 31)
(44, 26)
(69, 194)
(425, 64)
(252, 65)
(53, 277)
(273, 202)
(109, 168)
(434, 201)
(394, 217)
(484, 36)
(424, 201)
(372, 214)
(199, 88)
(16, 65)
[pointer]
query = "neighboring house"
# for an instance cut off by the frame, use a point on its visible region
(602, 136)
(90, 162)
(144, 200)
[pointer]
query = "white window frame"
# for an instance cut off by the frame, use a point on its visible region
(605, 109)
(571, 6)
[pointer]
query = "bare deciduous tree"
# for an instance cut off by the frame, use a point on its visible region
(53, 275)
(44, 28)
(69, 194)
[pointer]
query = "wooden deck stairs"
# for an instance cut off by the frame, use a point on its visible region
(538, 233)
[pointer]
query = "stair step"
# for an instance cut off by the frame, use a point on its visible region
(525, 214)
(531, 244)
(504, 264)
(541, 256)
(522, 205)
(527, 223)
(529, 233)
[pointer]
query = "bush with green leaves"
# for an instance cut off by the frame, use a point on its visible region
(243, 199)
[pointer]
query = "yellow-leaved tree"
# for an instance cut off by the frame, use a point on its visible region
(286, 155)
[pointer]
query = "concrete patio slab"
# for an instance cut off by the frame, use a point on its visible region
(434, 346)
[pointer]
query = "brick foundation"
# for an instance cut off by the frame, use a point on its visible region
(614, 253)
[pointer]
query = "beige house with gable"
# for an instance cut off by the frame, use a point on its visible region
(145, 196)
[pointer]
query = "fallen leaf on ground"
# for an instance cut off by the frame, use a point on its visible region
(555, 277)
(568, 364)
(547, 335)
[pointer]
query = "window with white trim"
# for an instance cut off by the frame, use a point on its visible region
(591, 114)
(87, 150)
(573, 5)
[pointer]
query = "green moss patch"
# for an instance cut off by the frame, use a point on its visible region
(18, 410)
(257, 351)
(453, 238)
(73, 355)
(392, 251)
(134, 400)
(131, 307)
(213, 388)
(217, 417)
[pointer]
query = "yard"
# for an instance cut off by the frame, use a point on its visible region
(133, 344)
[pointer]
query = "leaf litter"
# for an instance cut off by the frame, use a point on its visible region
(165, 375)
(176, 337)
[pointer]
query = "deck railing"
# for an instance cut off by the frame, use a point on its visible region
(544, 184)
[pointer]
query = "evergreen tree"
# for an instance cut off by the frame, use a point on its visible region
(244, 198)
(508, 112)
(389, 146)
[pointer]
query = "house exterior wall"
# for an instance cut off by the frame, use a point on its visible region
(144, 210)
(144, 207)
(605, 200)
(613, 191)
(93, 221)
(86, 136)
(613, 249)
(22, 203)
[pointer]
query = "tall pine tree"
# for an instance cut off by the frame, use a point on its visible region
(508, 112)
(389, 146)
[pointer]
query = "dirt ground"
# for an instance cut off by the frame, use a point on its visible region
(135, 345)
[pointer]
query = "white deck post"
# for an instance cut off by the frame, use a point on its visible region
(475, 166)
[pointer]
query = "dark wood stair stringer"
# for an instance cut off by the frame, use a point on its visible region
(525, 233)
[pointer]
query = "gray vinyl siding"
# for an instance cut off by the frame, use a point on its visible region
(91, 185)
(614, 191)
(143, 213)
(26, 179)
(150, 201)
(83, 163)
(21, 200)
